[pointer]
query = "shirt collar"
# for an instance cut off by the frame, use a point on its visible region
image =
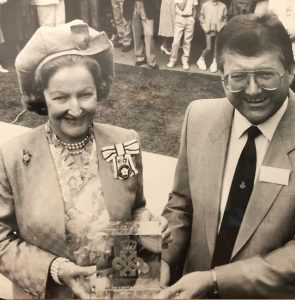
(214, 3)
(268, 128)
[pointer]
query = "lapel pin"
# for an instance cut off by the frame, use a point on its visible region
(26, 157)
(242, 185)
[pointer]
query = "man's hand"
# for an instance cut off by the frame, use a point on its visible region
(147, 242)
(166, 232)
(192, 285)
(292, 35)
(78, 279)
(165, 274)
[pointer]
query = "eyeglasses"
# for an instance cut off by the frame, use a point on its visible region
(267, 79)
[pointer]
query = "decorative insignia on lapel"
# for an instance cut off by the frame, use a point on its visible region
(120, 156)
(242, 185)
(26, 157)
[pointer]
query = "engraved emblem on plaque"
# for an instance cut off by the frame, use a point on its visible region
(128, 263)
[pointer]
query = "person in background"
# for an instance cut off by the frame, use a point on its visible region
(90, 11)
(72, 8)
(124, 37)
(50, 12)
(185, 12)
(108, 24)
(65, 181)
(240, 7)
(213, 17)
(166, 25)
(20, 22)
(2, 69)
(226, 2)
(232, 206)
(285, 10)
(26, 21)
(142, 13)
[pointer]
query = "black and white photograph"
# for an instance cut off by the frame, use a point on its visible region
(147, 149)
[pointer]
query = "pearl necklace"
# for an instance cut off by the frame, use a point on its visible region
(76, 148)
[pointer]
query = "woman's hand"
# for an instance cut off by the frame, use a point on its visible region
(166, 232)
(78, 279)
(99, 286)
(192, 285)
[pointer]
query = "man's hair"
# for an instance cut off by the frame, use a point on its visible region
(36, 101)
(250, 35)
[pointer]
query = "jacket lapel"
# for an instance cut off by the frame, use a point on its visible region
(47, 202)
(264, 193)
(114, 191)
(219, 137)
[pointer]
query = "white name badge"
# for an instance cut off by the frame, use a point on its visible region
(274, 175)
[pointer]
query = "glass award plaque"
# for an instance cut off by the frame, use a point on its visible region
(131, 266)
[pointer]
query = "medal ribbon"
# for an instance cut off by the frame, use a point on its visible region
(111, 153)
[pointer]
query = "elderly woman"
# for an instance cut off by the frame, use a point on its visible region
(59, 185)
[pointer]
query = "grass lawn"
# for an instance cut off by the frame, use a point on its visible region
(151, 102)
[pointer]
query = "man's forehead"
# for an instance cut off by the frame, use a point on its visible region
(229, 54)
(270, 58)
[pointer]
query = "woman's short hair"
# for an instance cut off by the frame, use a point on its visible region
(36, 101)
(250, 35)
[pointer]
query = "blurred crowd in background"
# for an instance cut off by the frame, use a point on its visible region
(135, 24)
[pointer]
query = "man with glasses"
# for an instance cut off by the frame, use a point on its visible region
(232, 208)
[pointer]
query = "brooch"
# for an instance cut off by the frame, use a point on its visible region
(26, 157)
(120, 156)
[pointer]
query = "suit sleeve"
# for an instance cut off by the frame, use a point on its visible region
(178, 210)
(269, 276)
(23, 263)
(140, 201)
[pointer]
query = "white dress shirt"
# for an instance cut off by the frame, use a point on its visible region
(188, 8)
(238, 139)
